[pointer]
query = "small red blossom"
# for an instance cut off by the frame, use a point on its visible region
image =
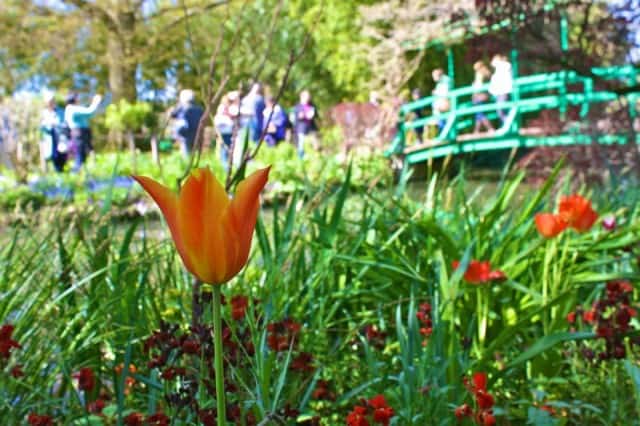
(39, 420)
(302, 363)
(86, 379)
(134, 419)
(96, 406)
(6, 342)
(463, 411)
(571, 317)
(191, 347)
(322, 391)
(358, 416)
(480, 272)
(483, 399)
(239, 307)
(375, 409)
(158, 419)
(282, 334)
(16, 371)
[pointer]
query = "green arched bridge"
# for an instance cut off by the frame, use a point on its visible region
(531, 94)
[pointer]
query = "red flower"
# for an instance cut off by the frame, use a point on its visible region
(134, 419)
(383, 415)
(549, 225)
(191, 347)
(86, 379)
(282, 334)
(302, 363)
(484, 399)
(39, 420)
(16, 371)
(480, 272)
(463, 411)
(577, 212)
(571, 317)
(357, 417)
(377, 401)
(590, 316)
(322, 391)
(6, 342)
(158, 419)
(239, 307)
(96, 406)
(497, 276)
(485, 418)
(480, 381)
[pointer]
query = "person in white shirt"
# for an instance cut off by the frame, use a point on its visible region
(501, 84)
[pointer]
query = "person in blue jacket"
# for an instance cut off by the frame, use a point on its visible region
(187, 115)
(274, 121)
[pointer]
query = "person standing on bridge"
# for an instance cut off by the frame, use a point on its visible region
(419, 113)
(441, 102)
(501, 83)
(480, 96)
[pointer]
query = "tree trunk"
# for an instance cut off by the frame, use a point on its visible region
(122, 66)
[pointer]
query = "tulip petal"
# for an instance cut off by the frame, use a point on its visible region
(243, 213)
(202, 204)
(167, 200)
(549, 225)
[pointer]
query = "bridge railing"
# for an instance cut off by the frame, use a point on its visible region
(555, 90)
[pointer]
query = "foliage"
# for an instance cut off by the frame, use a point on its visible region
(355, 270)
(125, 116)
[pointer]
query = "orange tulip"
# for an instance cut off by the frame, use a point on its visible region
(577, 212)
(212, 233)
(550, 225)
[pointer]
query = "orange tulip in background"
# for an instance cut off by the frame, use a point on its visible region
(577, 212)
(574, 211)
(549, 225)
(212, 233)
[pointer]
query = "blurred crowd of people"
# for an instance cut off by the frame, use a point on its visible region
(257, 117)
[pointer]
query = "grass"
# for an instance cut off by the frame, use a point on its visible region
(83, 291)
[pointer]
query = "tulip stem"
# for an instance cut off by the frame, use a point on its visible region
(217, 329)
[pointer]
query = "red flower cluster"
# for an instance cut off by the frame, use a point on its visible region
(483, 400)
(610, 316)
(137, 419)
(39, 420)
(282, 334)
(375, 409)
(303, 363)
(322, 391)
(6, 342)
(426, 325)
(480, 272)
(86, 379)
(574, 211)
(374, 336)
(239, 306)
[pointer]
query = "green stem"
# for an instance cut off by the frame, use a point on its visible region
(217, 329)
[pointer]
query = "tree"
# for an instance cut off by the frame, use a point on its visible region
(104, 38)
